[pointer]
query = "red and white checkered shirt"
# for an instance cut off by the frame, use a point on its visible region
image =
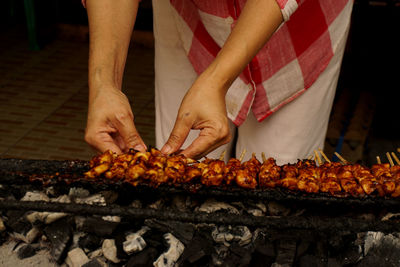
(284, 68)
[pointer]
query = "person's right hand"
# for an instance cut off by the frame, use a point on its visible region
(110, 123)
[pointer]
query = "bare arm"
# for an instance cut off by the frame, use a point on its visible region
(110, 119)
(203, 107)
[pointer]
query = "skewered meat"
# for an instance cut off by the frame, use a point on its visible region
(154, 168)
(270, 173)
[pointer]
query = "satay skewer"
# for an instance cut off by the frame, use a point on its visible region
(396, 158)
(390, 159)
(323, 155)
(378, 160)
(222, 156)
(318, 158)
(310, 157)
(264, 159)
(242, 155)
(341, 158)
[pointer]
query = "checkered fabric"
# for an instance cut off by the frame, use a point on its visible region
(284, 68)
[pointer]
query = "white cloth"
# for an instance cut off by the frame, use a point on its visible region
(291, 133)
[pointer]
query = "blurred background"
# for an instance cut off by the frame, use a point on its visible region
(43, 81)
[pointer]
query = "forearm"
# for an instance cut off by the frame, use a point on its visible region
(110, 29)
(258, 21)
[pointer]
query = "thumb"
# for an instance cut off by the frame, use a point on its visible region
(127, 130)
(177, 137)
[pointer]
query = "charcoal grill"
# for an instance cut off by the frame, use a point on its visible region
(325, 212)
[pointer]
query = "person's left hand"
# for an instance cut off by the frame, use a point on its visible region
(203, 108)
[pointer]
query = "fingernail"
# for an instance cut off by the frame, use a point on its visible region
(139, 148)
(166, 149)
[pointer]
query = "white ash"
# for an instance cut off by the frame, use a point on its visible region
(276, 209)
(110, 250)
(226, 234)
(78, 192)
(48, 217)
(2, 226)
(79, 221)
(390, 216)
(262, 207)
(31, 236)
(134, 241)
(136, 204)
(95, 253)
(255, 212)
(96, 199)
(112, 218)
(170, 257)
(75, 239)
(76, 258)
(211, 205)
(50, 191)
(158, 204)
(35, 196)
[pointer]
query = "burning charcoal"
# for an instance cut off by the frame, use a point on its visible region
(199, 247)
(263, 244)
(276, 209)
(26, 251)
(110, 250)
(179, 202)
(109, 196)
(309, 260)
(183, 231)
(95, 263)
(35, 196)
(96, 199)
(78, 192)
(76, 258)
(221, 253)
(143, 259)
(95, 225)
(212, 205)
(59, 234)
(89, 241)
(244, 254)
(169, 258)
(136, 204)
(226, 234)
(17, 222)
(286, 252)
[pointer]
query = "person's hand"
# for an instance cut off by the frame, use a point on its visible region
(110, 123)
(203, 108)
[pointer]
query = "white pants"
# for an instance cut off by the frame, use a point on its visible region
(291, 133)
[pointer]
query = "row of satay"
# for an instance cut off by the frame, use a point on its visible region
(154, 168)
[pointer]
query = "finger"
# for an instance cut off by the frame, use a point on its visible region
(126, 128)
(102, 142)
(206, 142)
(177, 137)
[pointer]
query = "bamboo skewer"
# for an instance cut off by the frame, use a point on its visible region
(310, 157)
(390, 159)
(396, 158)
(378, 160)
(242, 155)
(264, 159)
(318, 158)
(323, 155)
(341, 158)
(222, 156)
